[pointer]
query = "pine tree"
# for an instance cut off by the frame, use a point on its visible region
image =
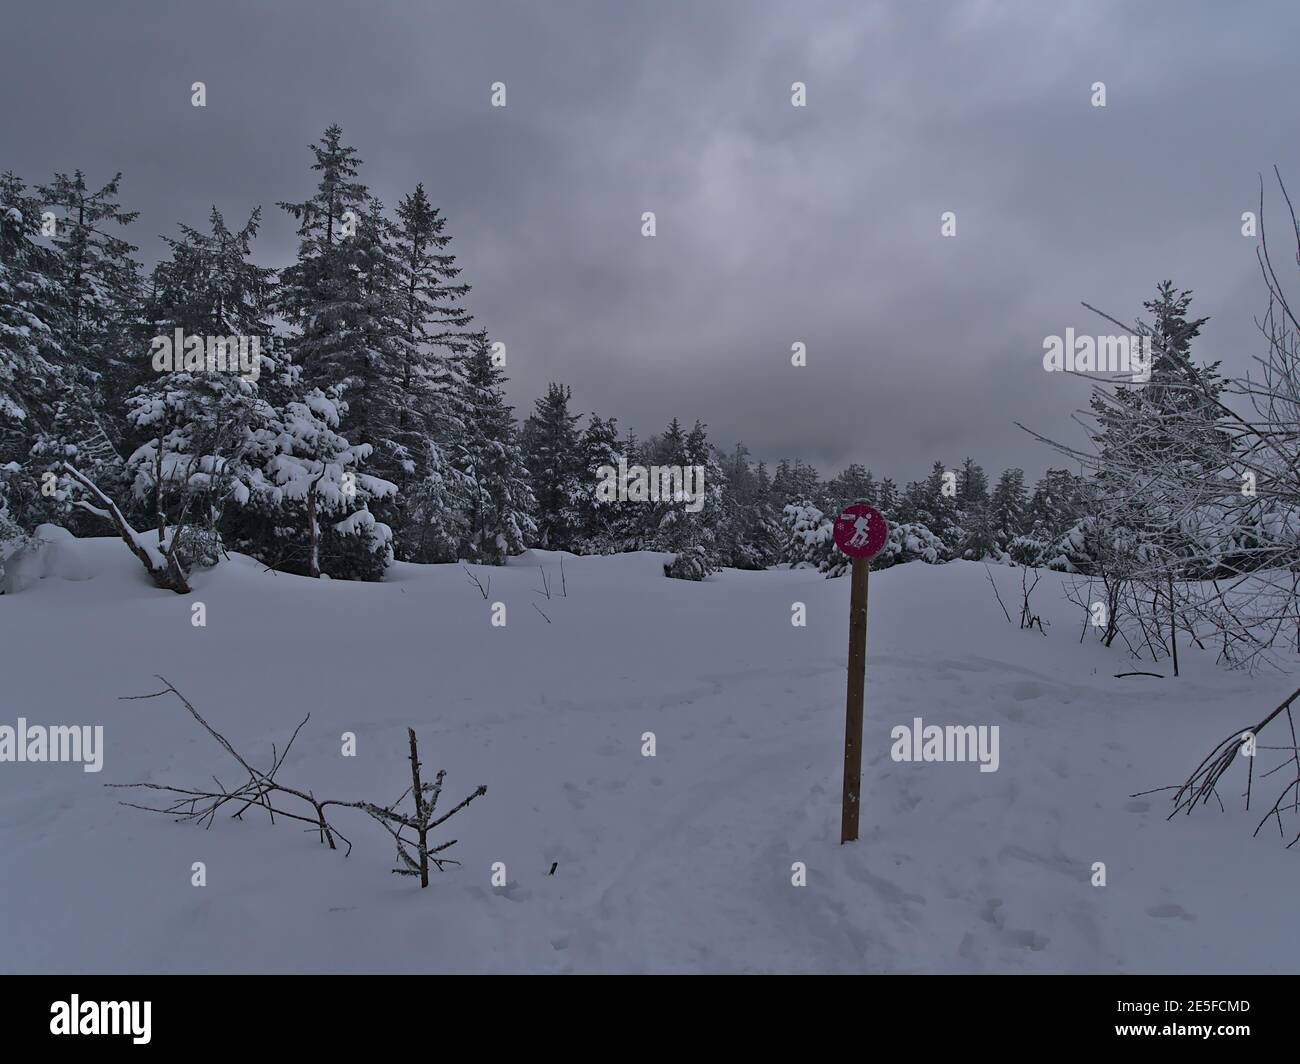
(195, 420)
(1055, 505)
(749, 535)
(1154, 437)
(329, 292)
(887, 497)
(939, 505)
(684, 528)
(101, 285)
(433, 323)
(31, 321)
(556, 466)
(345, 295)
(767, 536)
(600, 521)
(972, 511)
(972, 487)
(853, 484)
(1007, 507)
(795, 481)
(497, 500)
(97, 335)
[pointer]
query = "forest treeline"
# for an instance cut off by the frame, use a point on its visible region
(374, 424)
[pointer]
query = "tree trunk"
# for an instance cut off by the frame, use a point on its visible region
(422, 831)
(169, 576)
(313, 560)
(1173, 623)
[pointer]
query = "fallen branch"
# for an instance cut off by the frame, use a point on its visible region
(203, 804)
(160, 562)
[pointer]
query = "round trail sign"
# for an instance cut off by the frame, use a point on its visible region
(860, 530)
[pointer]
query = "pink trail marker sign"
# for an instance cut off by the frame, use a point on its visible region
(860, 531)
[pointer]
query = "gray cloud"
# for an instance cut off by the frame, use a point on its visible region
(775, 224)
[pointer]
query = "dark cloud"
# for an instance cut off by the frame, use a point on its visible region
(775, 224)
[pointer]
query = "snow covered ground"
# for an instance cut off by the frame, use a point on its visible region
(676, 863)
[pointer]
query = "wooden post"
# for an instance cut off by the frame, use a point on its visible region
(853, 706)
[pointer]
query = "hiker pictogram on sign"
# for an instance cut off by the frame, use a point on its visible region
(860, 531)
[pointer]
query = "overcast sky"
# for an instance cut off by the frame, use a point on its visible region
(776, 224)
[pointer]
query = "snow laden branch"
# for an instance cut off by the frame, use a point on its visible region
(159, 559)
(1192, 523)
(263, 790)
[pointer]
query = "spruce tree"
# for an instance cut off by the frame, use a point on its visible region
(1152, 438)
(1055, 505)
(328, 291)
(601, 521)
(556, 468)
(972, 511)
(689, 528)
(31, 322)
(496, 498)
(1007, 507)
(101, 285)
(853, 484)
(887, 497)
(972, 487)
(344, 295)
(197, 413)
(433, 321)
(98, 336)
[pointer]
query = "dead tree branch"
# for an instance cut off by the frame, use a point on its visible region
(1203, 783)
(264, 790)
(989, 574)
(478, 583)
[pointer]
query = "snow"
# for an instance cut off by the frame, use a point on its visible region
(678, 863)
(53, 552)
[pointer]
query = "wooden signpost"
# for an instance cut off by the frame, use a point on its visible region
(860, 532)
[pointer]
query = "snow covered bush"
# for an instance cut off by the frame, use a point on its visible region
(692, 564)
(809, 537)
(49, 552)
(910, 542)
(1028, 551)
(357, 548)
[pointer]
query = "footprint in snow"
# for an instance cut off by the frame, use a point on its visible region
(1026, 690)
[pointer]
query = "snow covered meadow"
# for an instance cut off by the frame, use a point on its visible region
(680, 862)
